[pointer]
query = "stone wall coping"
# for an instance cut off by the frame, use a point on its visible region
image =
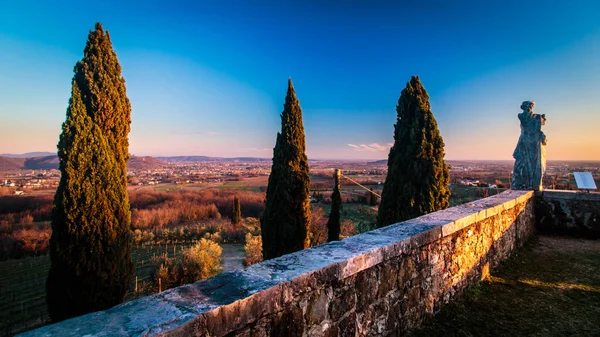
(569, 195)
(242, 296)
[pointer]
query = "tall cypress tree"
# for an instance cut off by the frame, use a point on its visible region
(417, 178)
(236, 213)
(286, 219)
(91, 265)
(333, 224)
(102, 87)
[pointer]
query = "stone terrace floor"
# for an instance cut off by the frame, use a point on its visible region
(551, 287)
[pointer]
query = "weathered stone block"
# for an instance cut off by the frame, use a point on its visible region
(568, 212)
(318, 306)
(347, 326)
(288, 322)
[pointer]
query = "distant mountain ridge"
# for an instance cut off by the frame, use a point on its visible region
(42, 163)
(35, 163)
(51, 162)
(144, 163)
(48, 162)
(7, 163)
(378, 162)
(28, 154)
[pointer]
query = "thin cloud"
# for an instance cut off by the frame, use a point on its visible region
(378, 147)
(373, 147)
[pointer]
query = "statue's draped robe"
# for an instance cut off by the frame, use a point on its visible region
(530, 154)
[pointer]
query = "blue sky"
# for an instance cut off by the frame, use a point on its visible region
(209, 78)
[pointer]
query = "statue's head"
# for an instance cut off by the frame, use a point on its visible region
(527, 105)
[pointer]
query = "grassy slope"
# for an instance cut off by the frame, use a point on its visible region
(550, 288)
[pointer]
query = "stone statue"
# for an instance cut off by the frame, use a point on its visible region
(530, 154)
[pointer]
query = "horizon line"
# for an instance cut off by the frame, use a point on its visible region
(310, 158)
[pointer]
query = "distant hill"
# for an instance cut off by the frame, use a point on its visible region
(144, 163)
(28, 154)
(204, 159)
(7, 163)
(378, 162)
(50, 162)
(35, 163)
(42, 163)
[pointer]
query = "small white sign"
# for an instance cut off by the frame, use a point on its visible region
(585, 180)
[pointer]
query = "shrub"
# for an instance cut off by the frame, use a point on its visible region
(173, 213)
(203, 260)
(318, 228)
(347, 228)
(26, 219)
(252, 225)
(253, 248)
(30, 241)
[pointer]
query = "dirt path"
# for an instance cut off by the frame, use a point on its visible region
(232, 256)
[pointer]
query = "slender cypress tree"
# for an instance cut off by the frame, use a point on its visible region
(91, 265)
(372, 198)
(102, 87)
(286, 219)
(333, 224)
(417, 178)
(236, 213)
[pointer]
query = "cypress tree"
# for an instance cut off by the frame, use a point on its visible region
(333, 224)
(372, 198)
(417, 178)
(286, 219)
(91, 265)
(236, 213)
(102, 87)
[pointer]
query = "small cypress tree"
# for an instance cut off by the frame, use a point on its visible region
(91, 265)
(286, 219)
(372, 198)
(333, 224)
(417, 178)
(236, 213)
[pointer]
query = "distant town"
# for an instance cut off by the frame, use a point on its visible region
(23, 177)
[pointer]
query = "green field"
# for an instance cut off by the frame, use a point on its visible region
(254, 184)
(364, 217)
(23, 281)
(463, 194)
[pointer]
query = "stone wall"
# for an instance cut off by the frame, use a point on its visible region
(568, 213)
(384, 282)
